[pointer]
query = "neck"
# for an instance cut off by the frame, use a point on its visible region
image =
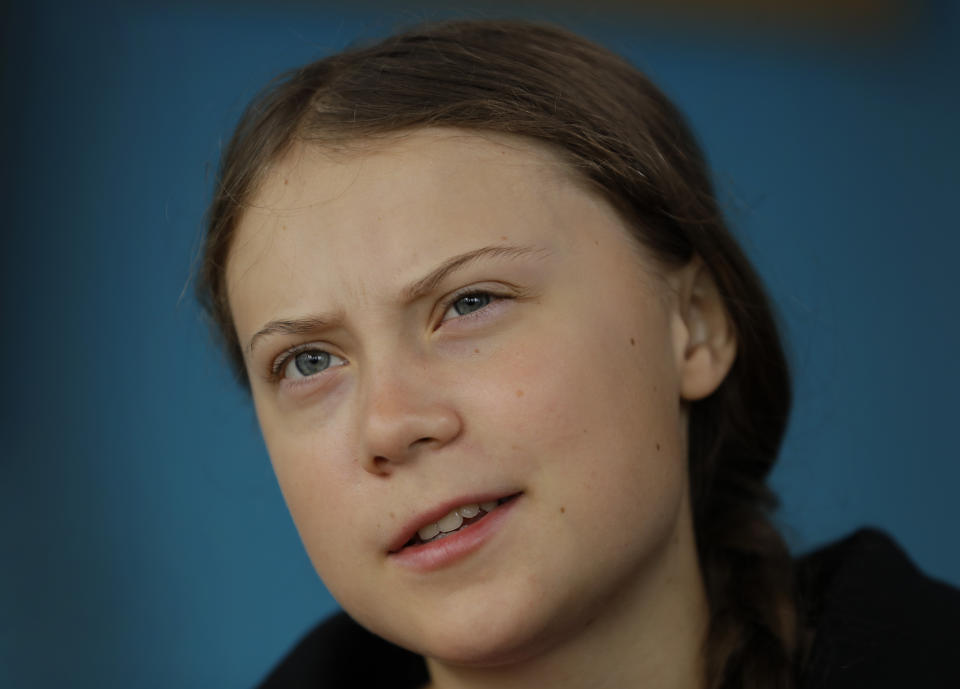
(650, 634)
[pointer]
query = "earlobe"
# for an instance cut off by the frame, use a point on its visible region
(705, 341)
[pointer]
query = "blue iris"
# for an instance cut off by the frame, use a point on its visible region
(470, 303)
(312, 362)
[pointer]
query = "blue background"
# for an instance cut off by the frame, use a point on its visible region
(143, 541)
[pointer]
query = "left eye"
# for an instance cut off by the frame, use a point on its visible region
(468, 303)
(310, 362)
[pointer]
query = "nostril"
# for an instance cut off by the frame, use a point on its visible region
(396, 433)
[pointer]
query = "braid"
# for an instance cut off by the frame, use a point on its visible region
(748, 572)
(735, 435)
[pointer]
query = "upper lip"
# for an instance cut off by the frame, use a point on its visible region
(436, 513)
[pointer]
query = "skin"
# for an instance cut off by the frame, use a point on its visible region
(572, 386)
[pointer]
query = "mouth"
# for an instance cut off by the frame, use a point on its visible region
(453, 521)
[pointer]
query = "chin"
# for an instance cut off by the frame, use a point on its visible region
(481, 645)
(490, 632)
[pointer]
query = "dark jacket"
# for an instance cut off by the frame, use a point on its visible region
(879, 623)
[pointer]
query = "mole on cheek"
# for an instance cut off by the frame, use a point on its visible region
(658, 447)
(633, 343)
(562, 509)
(519, 393)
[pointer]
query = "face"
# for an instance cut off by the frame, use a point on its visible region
(450, 319)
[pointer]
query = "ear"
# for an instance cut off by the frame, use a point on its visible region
(705, 344)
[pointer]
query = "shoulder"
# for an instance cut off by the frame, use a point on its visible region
(340, 653)
(878, 621)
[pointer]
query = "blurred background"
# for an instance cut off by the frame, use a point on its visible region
(143, 541)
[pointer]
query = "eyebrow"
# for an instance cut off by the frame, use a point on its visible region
(427, 284)
(416, 290)
(297, 326)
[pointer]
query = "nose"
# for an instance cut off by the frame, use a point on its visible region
(405, 415)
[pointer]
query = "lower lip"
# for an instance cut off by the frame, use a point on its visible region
(428, 557)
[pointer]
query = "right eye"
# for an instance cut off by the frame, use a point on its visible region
(310, 362)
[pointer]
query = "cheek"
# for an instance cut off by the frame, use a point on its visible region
(316, 472)
(599, 418)
(603, 381)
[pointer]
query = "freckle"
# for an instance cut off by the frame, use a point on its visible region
(658, 447)
(503, 237)
(476, 351)
(584, 431)
(633, 343)
(286, 181)
(597, 242)
(393, 516)
(562, 509)
(519, 393)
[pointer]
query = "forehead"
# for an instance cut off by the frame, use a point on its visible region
(361, 221)
(432, 168)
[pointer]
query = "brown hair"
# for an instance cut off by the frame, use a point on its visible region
(623, 135)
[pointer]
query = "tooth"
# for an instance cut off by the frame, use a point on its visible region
(451, 522)
(488, 506)
(469, 511)
(428, 532)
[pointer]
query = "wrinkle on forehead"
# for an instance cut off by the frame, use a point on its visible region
(290, 185)
(512, 180)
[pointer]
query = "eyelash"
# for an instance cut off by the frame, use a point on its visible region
(449, 303)
(280, 363)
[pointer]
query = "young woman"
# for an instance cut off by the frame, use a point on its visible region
(520, 387)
